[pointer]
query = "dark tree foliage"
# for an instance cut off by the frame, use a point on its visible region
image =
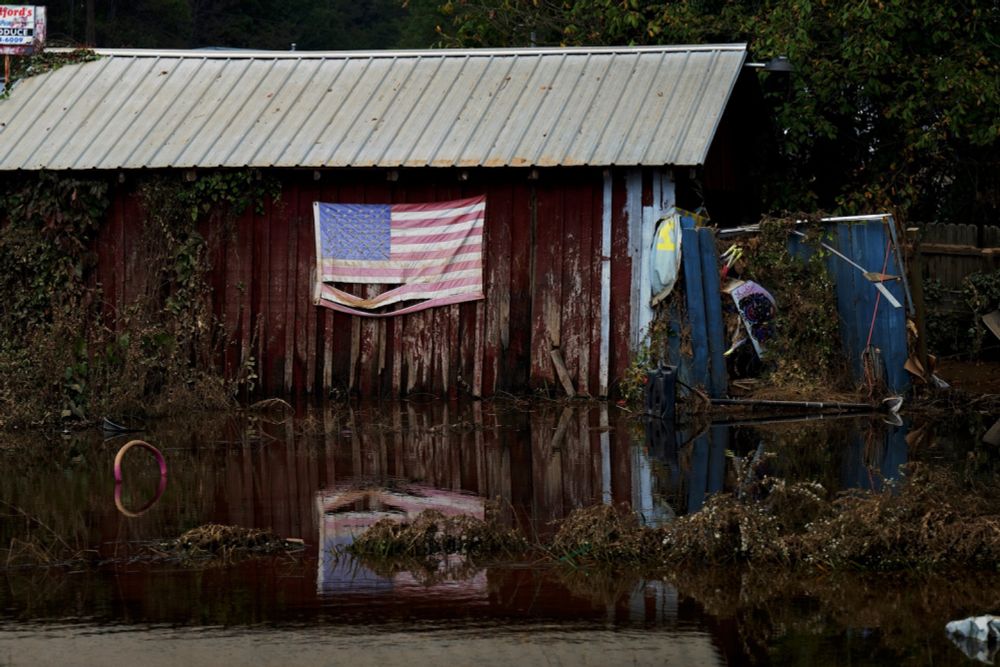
(256, 24)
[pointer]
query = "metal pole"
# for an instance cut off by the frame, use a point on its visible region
(817, 405)
(748, 229)
(916, 266)
(878, 284)
(891, 221)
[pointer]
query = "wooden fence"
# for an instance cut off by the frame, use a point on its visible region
(953, 251)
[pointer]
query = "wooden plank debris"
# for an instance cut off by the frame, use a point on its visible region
(561, 371)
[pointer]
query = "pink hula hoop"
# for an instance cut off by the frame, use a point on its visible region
(118, 477)
(145, 445)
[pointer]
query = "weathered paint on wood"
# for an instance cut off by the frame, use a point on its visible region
(633, 216)
(559, 270)
(515, 344)
(496, 311)
(575, 308)
(547, 285)
(621, 279)
(604, 350)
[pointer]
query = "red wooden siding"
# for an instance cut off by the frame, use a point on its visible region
(542, 277)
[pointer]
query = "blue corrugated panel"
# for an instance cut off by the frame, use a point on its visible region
(691, 262)
(715, 328)
(866, 243)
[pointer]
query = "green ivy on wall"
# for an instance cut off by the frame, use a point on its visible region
(65, 353)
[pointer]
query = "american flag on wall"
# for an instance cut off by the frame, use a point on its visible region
(432, 253)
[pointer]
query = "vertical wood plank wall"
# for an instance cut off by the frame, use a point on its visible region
(550, 273)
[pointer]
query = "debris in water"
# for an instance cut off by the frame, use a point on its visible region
(978, 637)
(215, 540)
(933, 519)
(607, 535)
(118, 425)
(431, 532)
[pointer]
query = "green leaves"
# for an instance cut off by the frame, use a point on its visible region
(48, 225)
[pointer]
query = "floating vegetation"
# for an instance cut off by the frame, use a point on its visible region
(229, 543)
(433, 533)
(932, 520)
(604, 534)
(214, 543)
(36, 551)
(37, 543)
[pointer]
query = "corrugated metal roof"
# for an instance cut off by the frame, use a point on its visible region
(443, 108)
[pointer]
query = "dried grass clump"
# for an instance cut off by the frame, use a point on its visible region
(730, 528)
(796, 505)
(725, 530)
(604, 534)
(37, 552)
(228, 541)
(433, 533)
(932, 520)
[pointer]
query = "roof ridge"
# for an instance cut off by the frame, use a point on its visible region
(233, 54)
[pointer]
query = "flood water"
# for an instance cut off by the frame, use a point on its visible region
(329, 471)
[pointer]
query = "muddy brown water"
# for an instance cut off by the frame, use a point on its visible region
(327, 472)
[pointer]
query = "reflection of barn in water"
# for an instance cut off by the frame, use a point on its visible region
(538, 465)
(542, 461)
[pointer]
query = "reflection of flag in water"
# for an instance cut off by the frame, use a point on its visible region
(346, 511)
(433, 253)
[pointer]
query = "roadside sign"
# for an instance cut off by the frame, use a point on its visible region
(22, 29)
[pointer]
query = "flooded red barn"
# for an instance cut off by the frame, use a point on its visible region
(578, 152)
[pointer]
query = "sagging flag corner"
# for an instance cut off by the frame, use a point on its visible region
(431, 253)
